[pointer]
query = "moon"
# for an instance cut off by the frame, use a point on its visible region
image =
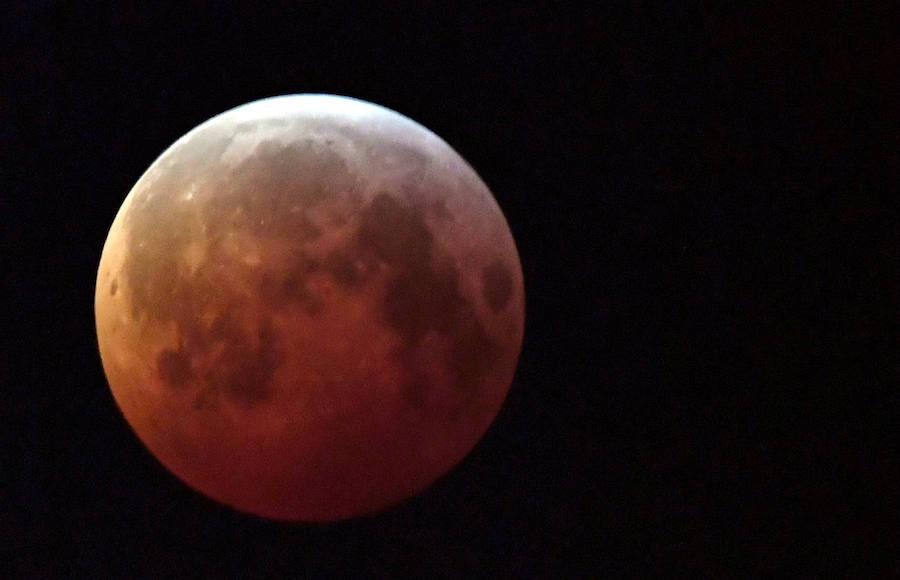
(309, 308)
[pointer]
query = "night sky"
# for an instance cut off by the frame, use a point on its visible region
(702, 202)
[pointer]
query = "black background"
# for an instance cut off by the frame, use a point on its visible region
(701, 201)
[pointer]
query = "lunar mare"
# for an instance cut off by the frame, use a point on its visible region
(309, 308)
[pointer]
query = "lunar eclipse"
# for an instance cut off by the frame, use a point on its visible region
(309, 308)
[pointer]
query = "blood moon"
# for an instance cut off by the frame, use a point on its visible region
(309, 308)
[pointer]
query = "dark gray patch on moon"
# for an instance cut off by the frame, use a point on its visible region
(474, 352)
(245, 373)
(439, 210)
(496, 285)
(346, 270)
(240, 370)
(392, 233)
(113, 287)
(174, 368)
(288, 286)
(423, 290)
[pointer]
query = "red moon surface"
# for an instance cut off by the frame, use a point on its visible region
(309, 308)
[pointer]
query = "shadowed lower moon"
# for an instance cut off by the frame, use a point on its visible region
(309, 308)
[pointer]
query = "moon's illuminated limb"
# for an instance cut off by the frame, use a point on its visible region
(309, 307)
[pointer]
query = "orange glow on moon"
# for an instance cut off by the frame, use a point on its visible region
(309, 308)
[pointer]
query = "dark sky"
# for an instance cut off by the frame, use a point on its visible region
(701, 198)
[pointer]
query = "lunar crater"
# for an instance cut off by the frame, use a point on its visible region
(497, 285)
